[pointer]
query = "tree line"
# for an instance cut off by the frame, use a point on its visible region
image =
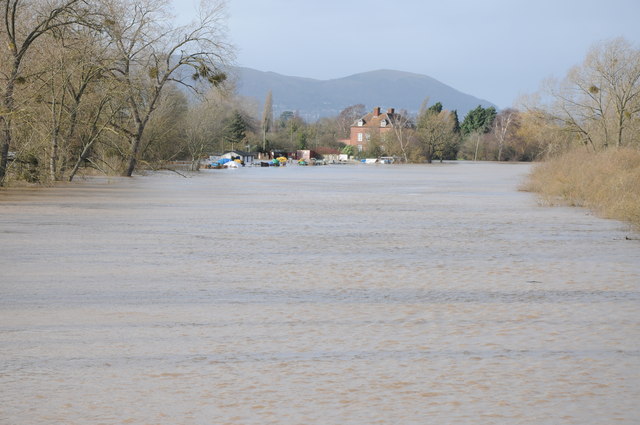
(113, 85)
(595, 107)
(97, 83)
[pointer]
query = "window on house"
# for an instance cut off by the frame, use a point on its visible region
(359, 148)
(383, 123)
(360, 123)
(368, 136)
(359, 137)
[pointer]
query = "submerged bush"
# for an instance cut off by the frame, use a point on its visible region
(606, 182)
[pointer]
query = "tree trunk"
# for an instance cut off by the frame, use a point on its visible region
(54, 156)
(5, 122)
(69, 136)
(195, 164)
(81, 159)
(429, 155)
(4, 149)
(53, 159)
(133, 156)
(264, 139)
(620, 128)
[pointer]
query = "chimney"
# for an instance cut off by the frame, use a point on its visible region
(376, 111)
(391, 111)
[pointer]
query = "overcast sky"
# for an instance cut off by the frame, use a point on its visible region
(492, 49)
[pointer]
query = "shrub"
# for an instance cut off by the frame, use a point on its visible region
(606, 182)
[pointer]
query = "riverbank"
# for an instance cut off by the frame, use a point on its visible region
(606, 182)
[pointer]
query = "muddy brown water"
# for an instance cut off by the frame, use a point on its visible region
(315, 295)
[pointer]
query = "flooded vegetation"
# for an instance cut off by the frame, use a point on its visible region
(607, 182)
(339, 294)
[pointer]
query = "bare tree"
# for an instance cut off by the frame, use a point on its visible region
(347, 117)
(618, 65)
(198, 138)
(501, 126)
(93, 98)
(206, 125)
(476, 136)
(164, 135)
(149, 54)
(402, 126)
(70, 76)
(600, 99)
(24, 22)
(267, 118)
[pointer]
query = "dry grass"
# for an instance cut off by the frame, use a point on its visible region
(606, 182)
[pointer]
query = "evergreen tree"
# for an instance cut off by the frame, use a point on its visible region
(479, 119)
(349, 150)
(435, 108)
(490, 115)
(236, 129)
(456, 121)
(285, 117)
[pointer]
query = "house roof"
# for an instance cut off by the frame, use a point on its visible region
(374, 118)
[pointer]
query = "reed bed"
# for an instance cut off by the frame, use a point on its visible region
(606, 182)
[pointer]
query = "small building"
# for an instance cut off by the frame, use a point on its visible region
(328, 154)
(245, 157)
(304, 154)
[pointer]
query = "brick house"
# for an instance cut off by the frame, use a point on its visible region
(375, 122)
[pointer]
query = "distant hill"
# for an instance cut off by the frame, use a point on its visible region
(313, 99)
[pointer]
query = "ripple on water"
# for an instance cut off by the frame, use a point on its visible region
(350, 295)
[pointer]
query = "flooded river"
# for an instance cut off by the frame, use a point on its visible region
(315, 295)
